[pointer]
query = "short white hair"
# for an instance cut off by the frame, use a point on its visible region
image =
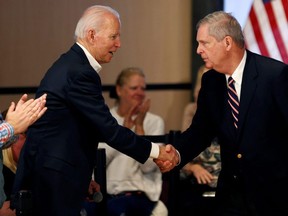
(92, 18)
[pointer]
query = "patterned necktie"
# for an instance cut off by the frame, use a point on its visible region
(233, 101)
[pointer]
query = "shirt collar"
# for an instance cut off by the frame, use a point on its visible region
(96, 66)
(238, 73)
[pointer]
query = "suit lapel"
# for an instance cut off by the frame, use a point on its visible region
(248, 89)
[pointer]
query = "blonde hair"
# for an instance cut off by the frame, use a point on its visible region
(127, 73)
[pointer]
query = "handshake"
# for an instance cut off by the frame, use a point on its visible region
(168, 158)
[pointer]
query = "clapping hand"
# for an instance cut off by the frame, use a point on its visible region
(26, 112)
(136, 115)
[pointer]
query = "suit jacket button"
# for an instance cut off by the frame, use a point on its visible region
(239, 156)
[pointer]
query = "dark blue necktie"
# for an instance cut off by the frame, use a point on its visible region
(233, 101)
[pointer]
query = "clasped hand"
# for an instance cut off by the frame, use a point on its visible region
(168, 158)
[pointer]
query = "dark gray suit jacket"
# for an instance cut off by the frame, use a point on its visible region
(64, 141)
(257, 151)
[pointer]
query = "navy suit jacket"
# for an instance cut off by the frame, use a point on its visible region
(66, 138)
(257, 151)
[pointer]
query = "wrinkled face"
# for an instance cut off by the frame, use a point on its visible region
(133, 91)
(212, 52)
(107, 41)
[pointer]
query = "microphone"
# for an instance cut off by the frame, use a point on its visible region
(97, 197)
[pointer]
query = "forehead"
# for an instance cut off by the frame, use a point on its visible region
(134, 79)
(203, 31)
(110, 25)
(113, 22)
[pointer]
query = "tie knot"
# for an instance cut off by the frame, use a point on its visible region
(230, 80)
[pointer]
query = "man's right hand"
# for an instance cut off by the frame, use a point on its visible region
(168, 158)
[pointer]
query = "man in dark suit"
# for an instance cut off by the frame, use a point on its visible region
(57, 159)
(254, 140)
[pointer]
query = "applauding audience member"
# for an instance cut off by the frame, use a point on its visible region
(133, 188)
(13, 123)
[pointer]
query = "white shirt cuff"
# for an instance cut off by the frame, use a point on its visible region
(154, 150)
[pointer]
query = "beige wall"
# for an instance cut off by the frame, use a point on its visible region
(156, 35)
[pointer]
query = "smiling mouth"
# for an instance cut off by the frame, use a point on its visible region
(112, 53)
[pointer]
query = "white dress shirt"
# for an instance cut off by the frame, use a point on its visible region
(126, 174)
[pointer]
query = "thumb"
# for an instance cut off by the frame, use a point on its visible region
(11, 107)
(168, 148)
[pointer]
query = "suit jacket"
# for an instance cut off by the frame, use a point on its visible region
(257, 150)
(65, 139)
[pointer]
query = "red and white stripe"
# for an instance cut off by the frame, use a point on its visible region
(266, 29)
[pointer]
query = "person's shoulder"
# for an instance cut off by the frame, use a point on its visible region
(190, 108)
(267, 61)
(113, 110)
(153, 120)
(211, 78)
(154, 116)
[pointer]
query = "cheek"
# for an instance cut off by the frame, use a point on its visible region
(215, 54)
(127, 96)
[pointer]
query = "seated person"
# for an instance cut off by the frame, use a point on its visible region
(10, 159)
(205, 168)
(12, 140)
(133, 188)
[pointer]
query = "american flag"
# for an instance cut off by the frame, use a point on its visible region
(266, 29)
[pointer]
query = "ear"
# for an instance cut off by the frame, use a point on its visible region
(91, 35)
(228, 42)
(118, 90)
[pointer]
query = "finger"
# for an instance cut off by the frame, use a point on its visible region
(43, 98)
(22, 100)
(43, 110)
(167, 165)
(168, 148)
(37, 114)
(11, 108)
(28, 105)
(158, 162)
(33, 103)
(145, 106)
(199, 180)
(33, 107)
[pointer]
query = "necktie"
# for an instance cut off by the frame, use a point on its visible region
(233, 101)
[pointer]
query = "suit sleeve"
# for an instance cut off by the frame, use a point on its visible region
(85, 94)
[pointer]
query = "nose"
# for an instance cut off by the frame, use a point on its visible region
(141, 91)
(199, 50)
(118, 42)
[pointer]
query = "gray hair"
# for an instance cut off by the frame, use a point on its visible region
(222, 24)
(93, 18)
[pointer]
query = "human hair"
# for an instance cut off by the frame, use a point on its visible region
(127, 73)
(93, 18)
(122, 78)
(222, 24)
